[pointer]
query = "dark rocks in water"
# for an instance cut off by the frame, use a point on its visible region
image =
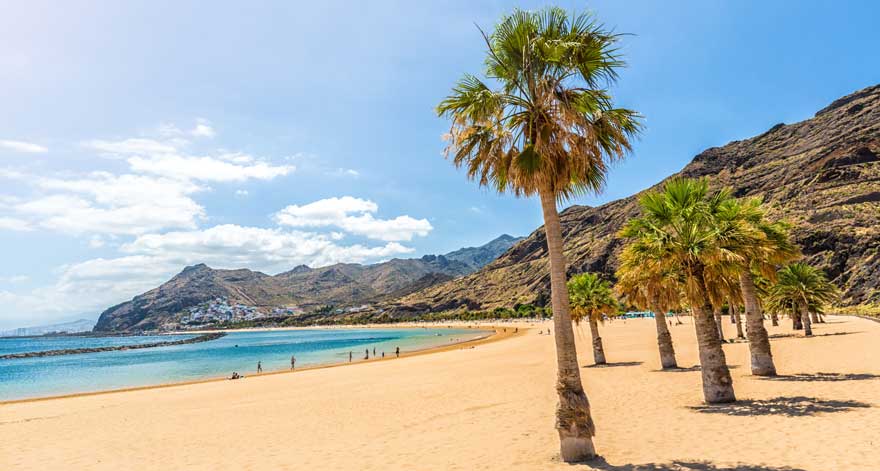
(75, 351)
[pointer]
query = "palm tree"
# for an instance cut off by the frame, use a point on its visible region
(805, 289)
(769, 247)
(550, 129)
(591, 298)
(658, 291)
(680, 230)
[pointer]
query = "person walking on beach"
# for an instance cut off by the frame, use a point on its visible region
(292, 362)
(397, 352)
(349, 357)
(259, 367)
(374, 351)
(366, 354)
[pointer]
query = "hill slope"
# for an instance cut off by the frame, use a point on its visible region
(822, 174)
(304, 287)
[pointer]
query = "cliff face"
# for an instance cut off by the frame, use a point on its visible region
(822, 175)
(340, 284)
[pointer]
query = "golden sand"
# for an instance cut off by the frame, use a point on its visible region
(486, 407)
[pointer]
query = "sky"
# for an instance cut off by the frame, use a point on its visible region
(140, 137)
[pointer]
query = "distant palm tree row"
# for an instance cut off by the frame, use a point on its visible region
(542, 123)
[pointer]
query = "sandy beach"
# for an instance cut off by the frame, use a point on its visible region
(486, 407)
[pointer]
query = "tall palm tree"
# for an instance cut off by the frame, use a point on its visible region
(770, 246)
(680, 230)
(591, 298)
(805, 288)
(547, 128)
(658, 291)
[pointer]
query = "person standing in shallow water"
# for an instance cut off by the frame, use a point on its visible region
(259, 367)
(366, 354)
(397, 352)
(349, 357)
(292, 362)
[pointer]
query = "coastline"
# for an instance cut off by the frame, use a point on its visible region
(495, 335)
(490, 407)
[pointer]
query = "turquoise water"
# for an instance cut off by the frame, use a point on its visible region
(238, 351)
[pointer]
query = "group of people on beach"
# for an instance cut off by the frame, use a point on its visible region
(235, 374)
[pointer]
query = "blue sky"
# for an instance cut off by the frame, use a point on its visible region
(137, 137)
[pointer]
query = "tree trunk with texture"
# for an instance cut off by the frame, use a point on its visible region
(759, 341)
(739, 324)
(573, 420)
(774, 319)
(796, 319)
(664, 340)
(814, 319)
(805, 320)
(717, 384)
(718, 324)
(598, 350)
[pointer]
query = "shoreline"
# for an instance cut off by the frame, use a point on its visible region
(494, 335)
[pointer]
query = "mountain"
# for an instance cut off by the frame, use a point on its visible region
(478, 257)
(82, 325)
(300, 289)
(822, 175)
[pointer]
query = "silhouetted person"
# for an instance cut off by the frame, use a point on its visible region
(349, 357)
(374, 351)
(366, 354)
(383, 353)
(259, 367)
(292, 362)
(397, 352)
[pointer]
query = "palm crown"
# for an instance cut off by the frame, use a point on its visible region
(800, 284)
(590, 296)
(549, 126)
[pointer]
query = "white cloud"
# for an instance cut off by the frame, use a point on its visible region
(134, 146)
(25, 147)
(206, 168)
(96, 242)
(203, 129)
(355, 216)
(14, 224)
(241, 193)
(105, 203)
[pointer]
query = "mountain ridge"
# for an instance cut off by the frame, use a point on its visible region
(293, 291)
(822, 174)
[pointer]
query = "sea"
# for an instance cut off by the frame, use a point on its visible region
(236, 352)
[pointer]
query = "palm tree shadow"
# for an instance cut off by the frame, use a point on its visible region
(798, 406)
(615, 364)
(823, 377)
(600, 463)
(688, 369)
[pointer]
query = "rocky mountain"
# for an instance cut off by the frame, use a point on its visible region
(822, 175)
(305, 287)
(478, 257)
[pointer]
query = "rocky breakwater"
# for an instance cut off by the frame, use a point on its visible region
(76, 351)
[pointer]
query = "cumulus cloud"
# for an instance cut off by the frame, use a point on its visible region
(24, 147)
(14, 224)
(355, 216)
(133, 146)
(206, 168)
(105, 203)
(14, 279)
(203, 129)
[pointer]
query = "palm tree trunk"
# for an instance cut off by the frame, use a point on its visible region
(805, 320)
(773, 318)
(664, 340)
(718, 323)
(717, 384)
(598, 351)
(739, 324)
(732, 314)
(813, 318)
(759, 341)
(796, 321)
(573, 420)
